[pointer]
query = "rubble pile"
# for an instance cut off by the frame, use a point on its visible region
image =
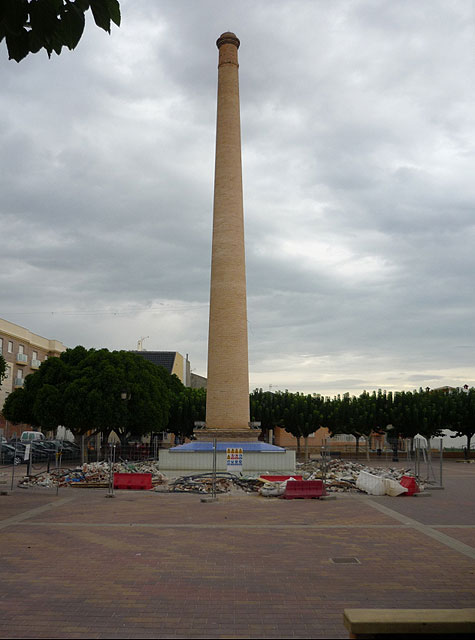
(340, 476)
(92, 475)
(203, 483)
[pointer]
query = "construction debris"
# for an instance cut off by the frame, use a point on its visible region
(93, 475)
(200, 483)
(341, 476)
(203, 483)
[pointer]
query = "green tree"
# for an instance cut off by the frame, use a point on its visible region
(343, 417)
(358, 416)
(3, 369)
(95, 391)
(301, 416)
(363, 418)
(30, 25)
(460, 415)
(417, 412)
(266, 408)
(188, 407)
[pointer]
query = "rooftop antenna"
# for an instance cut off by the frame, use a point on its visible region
(140, 343)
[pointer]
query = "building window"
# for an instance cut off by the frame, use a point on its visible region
(21, 349)
(19, 374)
(10, 346)
(35, 355)
(1, 345)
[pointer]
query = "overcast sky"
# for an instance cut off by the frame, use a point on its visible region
(358, 138)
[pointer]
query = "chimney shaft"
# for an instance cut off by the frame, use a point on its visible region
(227, 405)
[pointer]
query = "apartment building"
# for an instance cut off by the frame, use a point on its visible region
(23, 352)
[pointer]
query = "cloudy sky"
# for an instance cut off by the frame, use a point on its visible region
(358, 135)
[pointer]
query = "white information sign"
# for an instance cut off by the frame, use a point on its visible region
(234, 459)
(26, 455)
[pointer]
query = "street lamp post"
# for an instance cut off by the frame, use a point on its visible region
(111, 470)
(393, 440)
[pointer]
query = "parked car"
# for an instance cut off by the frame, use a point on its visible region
(30, 436)
(37, 455)
(8, 455)
(69, 450)
(40, 450)
(47, 445)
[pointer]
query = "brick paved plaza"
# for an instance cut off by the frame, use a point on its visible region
(151, 565)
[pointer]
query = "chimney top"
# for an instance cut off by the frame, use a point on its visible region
(228, 37)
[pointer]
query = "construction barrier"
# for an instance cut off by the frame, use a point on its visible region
(411, 485)
(304, 489)
(135, 481)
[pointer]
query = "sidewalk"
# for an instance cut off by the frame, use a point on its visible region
(151, 565)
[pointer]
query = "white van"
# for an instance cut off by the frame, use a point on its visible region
(30, 436)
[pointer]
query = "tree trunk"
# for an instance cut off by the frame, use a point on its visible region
(357, 446)
(467, 450)
(367, 448)
(298, 445)
(306, 448)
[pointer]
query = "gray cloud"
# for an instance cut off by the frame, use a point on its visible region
(358, 135)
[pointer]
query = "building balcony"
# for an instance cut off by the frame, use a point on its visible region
(18, 383)
(21, 358)
(35, 364)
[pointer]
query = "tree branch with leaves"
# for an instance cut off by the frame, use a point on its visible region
(27, 26)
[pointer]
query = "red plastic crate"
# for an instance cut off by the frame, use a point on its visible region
(411, 485)
(305, 489)
(280, 478)
(134, 481)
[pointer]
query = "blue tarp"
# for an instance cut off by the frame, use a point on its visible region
(222, 446)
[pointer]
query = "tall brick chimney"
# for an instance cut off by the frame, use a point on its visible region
(227, 405)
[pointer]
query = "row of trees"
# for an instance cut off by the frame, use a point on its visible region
(401, 414)
(102, 391)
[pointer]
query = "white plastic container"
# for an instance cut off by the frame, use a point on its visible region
(393, 487)
(370, 484)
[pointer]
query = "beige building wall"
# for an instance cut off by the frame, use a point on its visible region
(23, 351)
(178, 366)
(198, 382)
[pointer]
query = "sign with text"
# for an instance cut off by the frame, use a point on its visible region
(26, 455)
(234, 459)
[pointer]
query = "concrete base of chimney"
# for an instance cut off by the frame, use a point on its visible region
(208, 435)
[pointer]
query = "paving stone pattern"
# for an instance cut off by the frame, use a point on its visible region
(149, 565)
